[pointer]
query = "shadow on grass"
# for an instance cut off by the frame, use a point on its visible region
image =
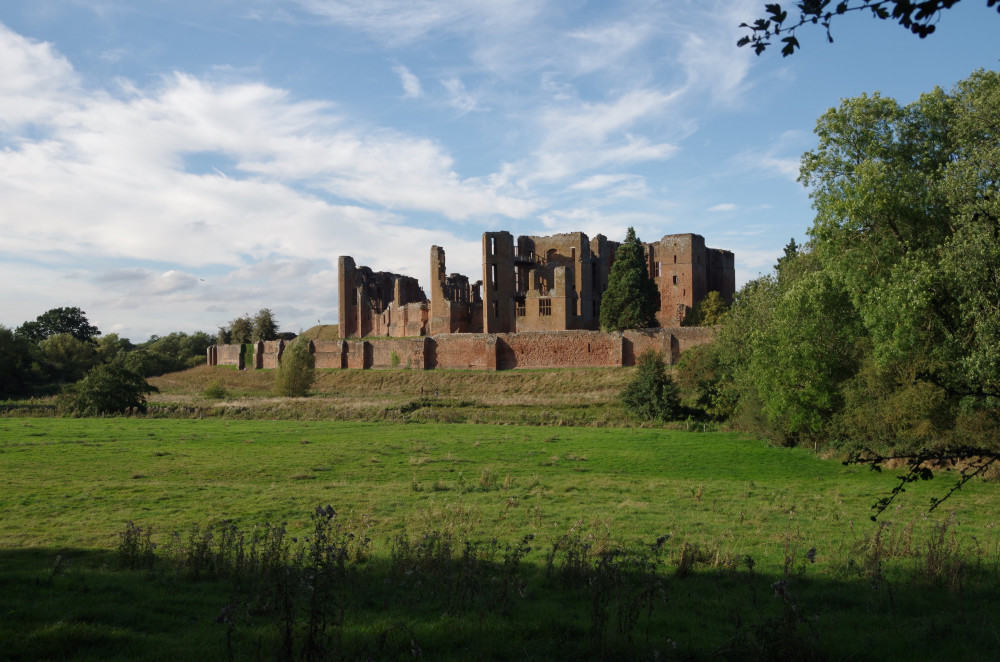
(439, 598)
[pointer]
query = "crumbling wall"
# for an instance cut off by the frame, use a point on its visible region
(354, 354)
(228, 354)
(327, 354)
(686, 337)
(270, 353)
(637, 341)
(456, 303)
(463, 351)
(548, 349)
(378, 303)
(408, 353)
(505, 351)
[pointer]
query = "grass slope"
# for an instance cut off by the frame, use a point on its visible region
(738, 516)
(585, 396)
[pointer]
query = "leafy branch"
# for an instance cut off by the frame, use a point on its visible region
(920, 18)
(972, 462)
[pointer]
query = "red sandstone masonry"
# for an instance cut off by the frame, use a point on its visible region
(228, 354)
(459, 350)
(270, 353)
(554, 349)
(354, 354)
(505, 351)
(635, 342)
(327, 354)
(686, 337)
(409, 353)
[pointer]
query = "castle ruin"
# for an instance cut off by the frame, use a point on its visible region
(533, 283)
(538, 305)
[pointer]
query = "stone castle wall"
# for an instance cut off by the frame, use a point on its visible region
(481, 351)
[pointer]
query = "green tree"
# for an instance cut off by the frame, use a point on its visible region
(16, 359)
(111, 346)
(59, 320)
(241, 330)
(791, 251)
(699, 376)
(265, 326)
(296, 372)
(111, 388)
(710, 311)
(652, 394)
(631, 300)
(65, 358)
(918, 16)
(908, 219)
(175, 351)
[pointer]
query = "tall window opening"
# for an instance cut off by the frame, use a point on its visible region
(544, 307)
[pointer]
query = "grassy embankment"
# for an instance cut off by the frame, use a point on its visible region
(736, 518)
(584, 396)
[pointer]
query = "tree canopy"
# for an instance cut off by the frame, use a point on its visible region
(631, 300)
(883, 330)
(918, 16)
(59, 320)
(110, 388)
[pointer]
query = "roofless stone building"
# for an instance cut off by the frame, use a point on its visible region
(533, 283)
(538, 305)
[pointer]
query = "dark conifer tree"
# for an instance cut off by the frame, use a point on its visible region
(631, 300)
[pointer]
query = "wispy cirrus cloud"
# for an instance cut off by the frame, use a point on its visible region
(584, 136)
(410, 82)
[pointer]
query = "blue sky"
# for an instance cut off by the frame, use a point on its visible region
(167, 165)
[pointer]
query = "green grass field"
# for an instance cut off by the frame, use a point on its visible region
(736, 516)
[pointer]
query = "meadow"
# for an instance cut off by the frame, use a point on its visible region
(457, 541)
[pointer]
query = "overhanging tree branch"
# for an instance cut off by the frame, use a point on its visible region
(920, 18)
(971, 461)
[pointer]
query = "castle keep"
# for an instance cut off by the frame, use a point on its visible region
(533, 283)
(537, 306)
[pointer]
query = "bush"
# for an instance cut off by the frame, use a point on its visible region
(216, 390)
(652, 394)
(297, 371)
(111, 388)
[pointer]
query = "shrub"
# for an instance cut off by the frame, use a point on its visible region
(216, 390)
(111, 388)
(652, 394)
(297, 371)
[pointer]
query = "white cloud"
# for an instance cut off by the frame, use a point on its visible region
(602, 46)
(411, 84)
(595, 182)
(104, 176)
(400, 22)
(35, 81)
(459, 98)
(782, 157)
(724, 206)
(586, 136)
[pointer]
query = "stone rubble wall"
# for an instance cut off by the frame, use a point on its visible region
(480, 351)
(556, 349)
